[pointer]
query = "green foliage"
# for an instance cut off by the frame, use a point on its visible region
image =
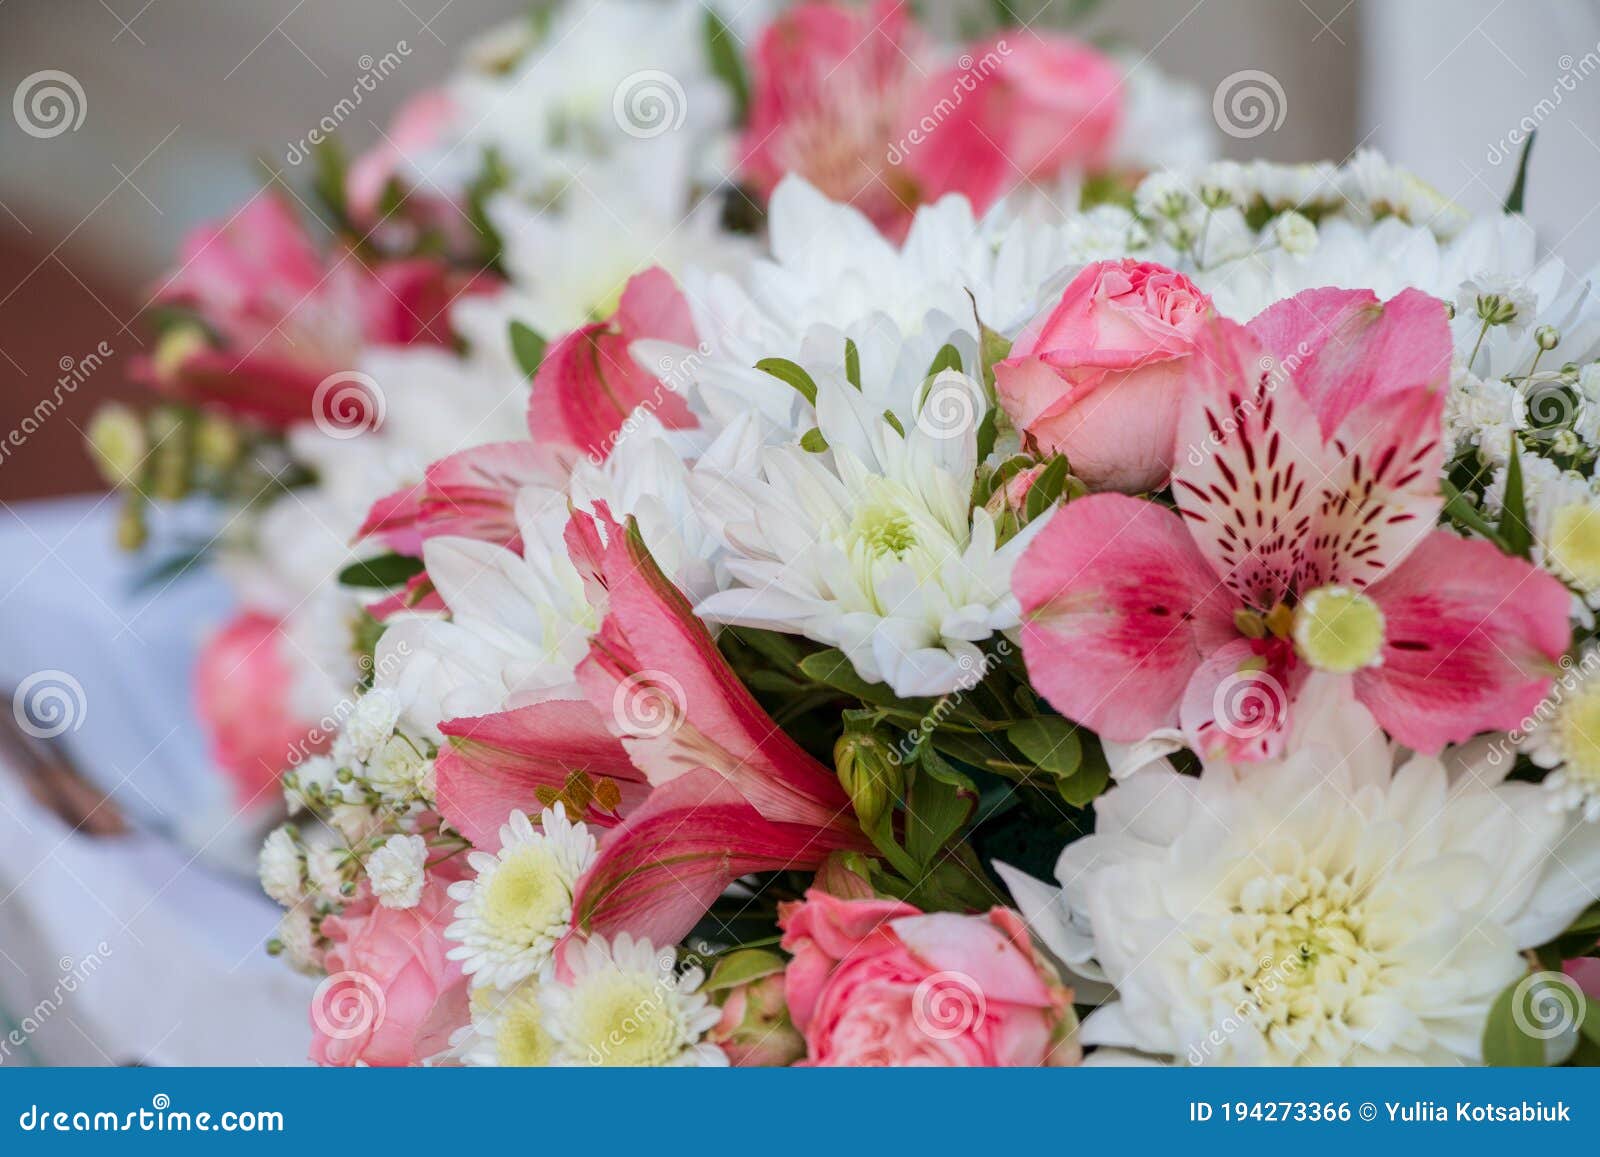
(383, 572)
(528, 347)
(1519, 186)
(791, 374)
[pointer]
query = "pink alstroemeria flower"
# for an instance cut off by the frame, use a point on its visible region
(1306, 480)
(281, 320)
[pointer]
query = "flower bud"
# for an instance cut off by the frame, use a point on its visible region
(1548, 337)
(755, 1028)
(217, 444)
(117, 438)
(868, 772)
(170, 459)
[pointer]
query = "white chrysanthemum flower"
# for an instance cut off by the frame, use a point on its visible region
(395, 871)
(628, 1005)
(519, 623)
(872, 545)
(1563, 734)
(1295, 233)
(282, 867)
(396, 769)
(508, 1028)
(1564, 515)
(1372, 183)
(511, 915)
(1320, 909)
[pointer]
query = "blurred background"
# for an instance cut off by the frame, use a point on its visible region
(189, 106)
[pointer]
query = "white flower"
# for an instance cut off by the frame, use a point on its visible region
(395, 871)
(328, 863)
(312, 781)
(1564, 515)
(369, 725)
(1382, 189)
(519, 623)
(1497, 300)
(1563, 734)
(396, 769)
(627, 1005)
(297, 938)
(1322, 909)
(1295, 233)
(507, 1029)
(872, 546)
(281, 866)
(510, 916)
(1481, 414)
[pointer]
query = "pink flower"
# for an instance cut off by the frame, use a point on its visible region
(1097, 376)
(281, 320)
(391, 996)
(242, 696)
(419, 124)
(1029, 106)
(589, 383)
(877, 983)
(755, 1029)
(1307, 494)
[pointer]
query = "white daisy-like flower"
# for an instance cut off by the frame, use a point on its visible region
(1372, 183)
(872, 545)
(1564, 515)
(1294, 233)
(508, 1028)
(510, 916)
(395, 871)
(282, 867)
(1322, 909)
(628, 1005)
(369, 725)
(1563, 734)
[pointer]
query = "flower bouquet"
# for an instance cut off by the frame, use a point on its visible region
(945, 620)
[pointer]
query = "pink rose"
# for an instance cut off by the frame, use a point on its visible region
(1024, 106)
(876, 982)
(391, 997)
(1097, 376)
(755, 1028)
(242, 697)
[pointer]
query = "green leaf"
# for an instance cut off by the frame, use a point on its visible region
(936, 809)
(383, 572)
(993, 348)
(833, 668)
(813, 441)
(948, 358)
(1046, 488)
(1463, 512)
(1504, 1042)
(1589, 1022)
(328, 177)
(791, 374)
(1514, 532)
(1050, 742)
(852, 363)
(1519, 186)
(722, 50)
(528, 348)
(1084, 787)
(890, 417)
